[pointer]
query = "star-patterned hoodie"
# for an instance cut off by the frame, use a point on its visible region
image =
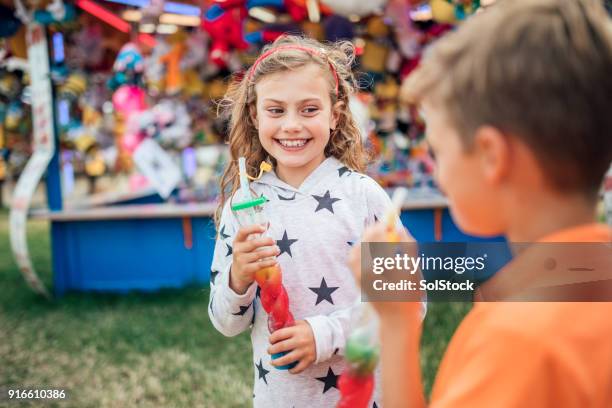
(314, 226)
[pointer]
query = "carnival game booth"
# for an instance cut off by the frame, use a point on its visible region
(122, 96)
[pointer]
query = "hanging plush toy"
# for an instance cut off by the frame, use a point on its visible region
(10, 85)
(426, 36)
(11, 89)
(174, 124)
(338, 28)
(10, 62)
(464, 8)
(68, 95)
(443, 11)
(386, 93)
(168, 122)
(193, 59)
(197, 49)
(172, 60)
(407, 37)
(223, 21)
(453, 11)
(74, 86)
(377, 48)
(154, 71)
(13, 116)
(128, 67)
(128, 101)
(56, 12)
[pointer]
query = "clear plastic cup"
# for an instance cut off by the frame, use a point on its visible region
(250, 212)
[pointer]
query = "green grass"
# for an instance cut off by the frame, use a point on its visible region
(136, 349)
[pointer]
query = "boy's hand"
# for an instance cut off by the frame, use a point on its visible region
(389, 312)
(299, 341)
(247, 258)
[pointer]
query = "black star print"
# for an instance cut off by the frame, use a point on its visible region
(324, 292)
(285, 244)
(375, 218)
(262, 372)
(242, 311)
(229, 250)
(280, 197)
(330, 380)
(325, 201)
(350, 243)
(336, 351)
(213, 276)
(374, 405)
(343, 170)
(222, 233)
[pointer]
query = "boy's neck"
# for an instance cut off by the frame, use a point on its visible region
(540, 215)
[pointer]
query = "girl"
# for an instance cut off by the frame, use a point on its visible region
(291, 109)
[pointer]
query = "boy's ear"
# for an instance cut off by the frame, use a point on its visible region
(336, 112)
(495, 153)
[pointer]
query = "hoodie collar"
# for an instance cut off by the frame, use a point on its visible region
(326, 169)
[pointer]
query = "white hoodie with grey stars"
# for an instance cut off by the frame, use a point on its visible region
(314, 226)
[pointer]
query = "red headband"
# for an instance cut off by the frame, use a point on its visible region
(294, 47)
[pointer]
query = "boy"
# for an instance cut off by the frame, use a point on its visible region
(517, 104)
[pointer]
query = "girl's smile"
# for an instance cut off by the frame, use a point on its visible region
(292, 145)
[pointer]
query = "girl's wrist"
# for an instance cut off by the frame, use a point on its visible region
(237, 285)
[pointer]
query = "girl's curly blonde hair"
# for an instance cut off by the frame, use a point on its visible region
(345, 141)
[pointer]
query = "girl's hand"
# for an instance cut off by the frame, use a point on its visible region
(299, 341)
(248, 258)
(391, 313)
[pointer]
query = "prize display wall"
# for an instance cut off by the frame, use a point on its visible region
(121, 124)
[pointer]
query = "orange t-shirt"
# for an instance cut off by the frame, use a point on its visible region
(519, 354)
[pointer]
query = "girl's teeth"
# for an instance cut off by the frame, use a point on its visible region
(292, 143)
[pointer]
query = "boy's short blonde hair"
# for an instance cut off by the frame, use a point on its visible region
(540, 70)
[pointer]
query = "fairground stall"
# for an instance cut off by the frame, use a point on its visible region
(112, 106)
